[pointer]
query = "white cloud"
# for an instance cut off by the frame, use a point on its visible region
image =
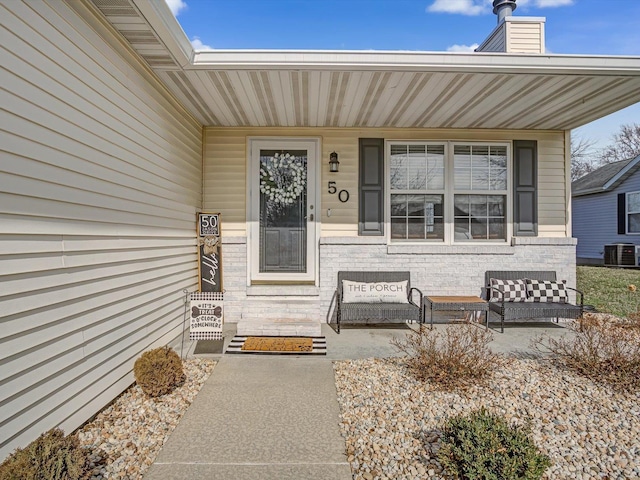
(545, 3)
(176, 6)
(553, 3)
(464, 7)
(480, 7)
(462, 48)
(197, 44)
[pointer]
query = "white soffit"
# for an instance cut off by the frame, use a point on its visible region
(231, 88)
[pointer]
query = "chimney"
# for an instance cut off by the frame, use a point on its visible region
(503, 8)
(514, 34)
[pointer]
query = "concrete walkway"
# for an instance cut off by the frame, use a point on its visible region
(274, 417)
(259, 417)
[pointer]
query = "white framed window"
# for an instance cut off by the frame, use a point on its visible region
(448, 192)
(480, 192)
(417, 186)
(633, 212)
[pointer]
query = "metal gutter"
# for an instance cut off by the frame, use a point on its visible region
(167, 28)
(487, 62)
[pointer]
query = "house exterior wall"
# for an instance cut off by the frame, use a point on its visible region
(437, 269)
(595, 221)
(225, 171)
(434, 270)
(100, 179)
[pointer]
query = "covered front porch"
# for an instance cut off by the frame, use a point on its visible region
(117, 133)
(509, 106)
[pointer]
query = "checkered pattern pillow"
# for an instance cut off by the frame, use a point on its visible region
(545, 291)
(514, 290)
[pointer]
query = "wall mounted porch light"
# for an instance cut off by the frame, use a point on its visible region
(333, 162)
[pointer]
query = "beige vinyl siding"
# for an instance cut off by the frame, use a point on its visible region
(100, 179)
(225, 172)
(525, 37)
(496, 41)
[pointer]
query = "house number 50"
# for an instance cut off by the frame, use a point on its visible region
(343, 195)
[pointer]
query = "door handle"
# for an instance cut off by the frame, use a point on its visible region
(311, 217)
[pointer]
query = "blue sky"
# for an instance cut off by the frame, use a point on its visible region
(602, 27)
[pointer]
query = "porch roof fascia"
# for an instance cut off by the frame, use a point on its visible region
(168, 29)
(417, 61)
(603, 84)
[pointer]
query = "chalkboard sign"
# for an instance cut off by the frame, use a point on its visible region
(210, 261)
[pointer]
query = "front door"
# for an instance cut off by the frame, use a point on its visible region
(282, 237)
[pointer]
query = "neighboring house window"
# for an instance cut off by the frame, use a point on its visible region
(633, 212)
(448, 192)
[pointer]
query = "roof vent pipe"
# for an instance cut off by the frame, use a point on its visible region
(503, 8)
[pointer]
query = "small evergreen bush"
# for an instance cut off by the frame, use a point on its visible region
(52, 456)
(457, 358)
(158, 371)
(484, 446)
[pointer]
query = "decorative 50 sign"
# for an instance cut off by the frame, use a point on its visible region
(208, 224)
(210, 264)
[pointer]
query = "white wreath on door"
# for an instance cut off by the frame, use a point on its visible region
(283, 178)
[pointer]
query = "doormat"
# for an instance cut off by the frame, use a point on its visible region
(209, 347)
(278, 345)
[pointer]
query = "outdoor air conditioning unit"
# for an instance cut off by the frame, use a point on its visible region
(621, 255)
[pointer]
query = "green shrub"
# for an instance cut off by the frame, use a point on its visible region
(52, 456)
(456, 358)
(484, 446)
(158, 371)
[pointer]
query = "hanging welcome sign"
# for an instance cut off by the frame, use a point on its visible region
(206, 307)
(210, 259)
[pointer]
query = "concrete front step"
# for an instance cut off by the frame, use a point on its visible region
(280, 327)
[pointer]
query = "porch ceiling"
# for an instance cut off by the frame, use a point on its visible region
(375, 89)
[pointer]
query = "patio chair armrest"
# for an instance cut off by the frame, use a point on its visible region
(410, 296)
(579, 293)
(500, 292)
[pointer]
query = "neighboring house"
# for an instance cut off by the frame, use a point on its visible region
(114, 133)
(606, 209)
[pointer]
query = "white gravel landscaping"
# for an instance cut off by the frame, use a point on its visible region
(391, 421)
(130, 432)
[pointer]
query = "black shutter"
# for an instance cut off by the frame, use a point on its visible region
(371, 187)
(622, 214)
(525, 188)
